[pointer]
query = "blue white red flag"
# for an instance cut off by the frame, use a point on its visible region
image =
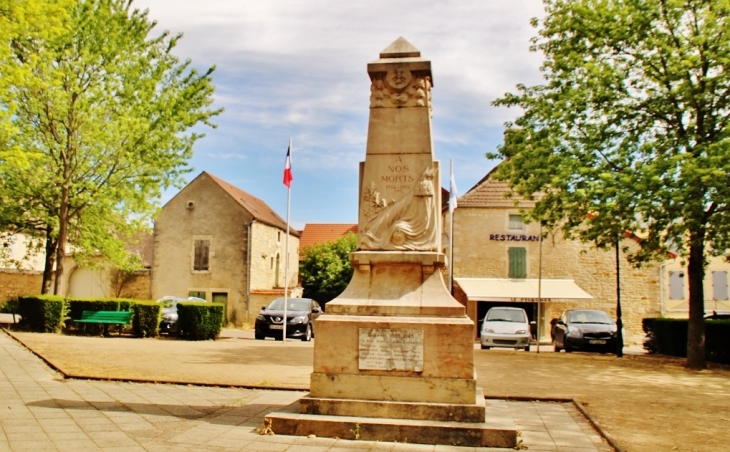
(287, 169)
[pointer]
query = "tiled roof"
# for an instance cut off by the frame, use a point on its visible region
(489, 192)
(256, 207)
(316, 233)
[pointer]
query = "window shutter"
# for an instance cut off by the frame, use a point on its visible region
(676, 285)
(518, 262)
(202, 249)
(719, 285)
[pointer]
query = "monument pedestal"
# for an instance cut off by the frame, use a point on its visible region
(394, 361)
(394, 353)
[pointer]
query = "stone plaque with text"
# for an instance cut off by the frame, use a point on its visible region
(387, 349)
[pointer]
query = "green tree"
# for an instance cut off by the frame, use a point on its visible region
(102, 113)
(325, 269)
(631, 130)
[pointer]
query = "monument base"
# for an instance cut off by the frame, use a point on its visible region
(291, 421)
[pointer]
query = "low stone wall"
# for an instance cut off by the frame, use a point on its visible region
(16, 283)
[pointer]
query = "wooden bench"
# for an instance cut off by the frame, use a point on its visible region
(106, 318)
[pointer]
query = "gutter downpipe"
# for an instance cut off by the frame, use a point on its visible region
(661, 287)
(248, 267)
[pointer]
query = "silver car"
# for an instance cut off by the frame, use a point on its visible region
(506, 327)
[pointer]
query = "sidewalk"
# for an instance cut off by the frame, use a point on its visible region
(41, 410)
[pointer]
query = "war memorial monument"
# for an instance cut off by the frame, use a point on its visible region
(394, 353)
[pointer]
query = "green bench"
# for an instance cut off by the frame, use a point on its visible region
(105, 318)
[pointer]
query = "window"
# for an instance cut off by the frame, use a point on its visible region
(196, 293)
(202, 253)
(278, 236)
(515, 223)
(220, 297)
(719, 285)
(518, 262)
(676, 285)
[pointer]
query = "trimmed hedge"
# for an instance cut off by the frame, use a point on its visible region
(200, 321)
(670, 336)
(42, 313)
(146, 318)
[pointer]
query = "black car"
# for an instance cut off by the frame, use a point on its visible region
(300, 313)
(584, 329)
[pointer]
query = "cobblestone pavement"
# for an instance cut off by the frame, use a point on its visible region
(42, 411)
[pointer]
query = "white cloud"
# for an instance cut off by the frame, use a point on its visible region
(298, 69)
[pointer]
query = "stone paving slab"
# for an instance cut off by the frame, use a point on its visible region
(40, 410)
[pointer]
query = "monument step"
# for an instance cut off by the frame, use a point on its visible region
(396, 410)
(473, 434)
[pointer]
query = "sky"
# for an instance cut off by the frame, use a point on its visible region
(297, 69)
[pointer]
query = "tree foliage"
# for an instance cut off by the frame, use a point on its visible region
(101, 118)
(325, 269)
(631, 129)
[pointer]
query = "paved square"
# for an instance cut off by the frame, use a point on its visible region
(40, 410)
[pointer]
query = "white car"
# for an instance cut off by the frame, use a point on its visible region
(506, 327)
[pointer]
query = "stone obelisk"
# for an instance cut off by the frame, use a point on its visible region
(394, 353)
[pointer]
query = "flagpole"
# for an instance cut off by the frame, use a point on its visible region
(286, 251)
(451, 227)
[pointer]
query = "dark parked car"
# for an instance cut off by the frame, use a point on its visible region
(300, 313)
(717, 315)
(169, 323)
(584, 329)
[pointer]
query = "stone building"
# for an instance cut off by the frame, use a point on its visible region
(498, 261)
(217, 242)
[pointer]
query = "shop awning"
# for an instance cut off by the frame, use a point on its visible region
(521, 290)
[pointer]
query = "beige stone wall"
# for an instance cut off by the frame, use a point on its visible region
(16, 283)
(139, 287)
(267, 244)
(476, 256)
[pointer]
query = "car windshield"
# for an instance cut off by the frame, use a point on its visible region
(506, 315)
(291, 305)
(590, 317)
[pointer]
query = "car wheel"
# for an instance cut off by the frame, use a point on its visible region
(527, 349)
(307, 334)
(259, 336)
(484, 347)
(567, 347)
(278, 338)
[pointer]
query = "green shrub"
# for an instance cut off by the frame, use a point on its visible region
(42, 313)
(671, 336)
(200, 321)
(146, 319)
(9, 306)
(717, 341)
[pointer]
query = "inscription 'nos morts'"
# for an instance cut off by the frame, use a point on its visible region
(399, 176)
(386, 349)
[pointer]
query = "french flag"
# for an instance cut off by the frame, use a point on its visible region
(287, 169)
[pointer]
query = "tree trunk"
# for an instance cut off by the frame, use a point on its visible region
(696, 329)
(62, 239)
(50, 258)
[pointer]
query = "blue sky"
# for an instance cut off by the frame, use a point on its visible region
(297, 69)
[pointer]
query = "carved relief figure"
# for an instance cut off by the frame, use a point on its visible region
(400, 88)
(408, 224)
